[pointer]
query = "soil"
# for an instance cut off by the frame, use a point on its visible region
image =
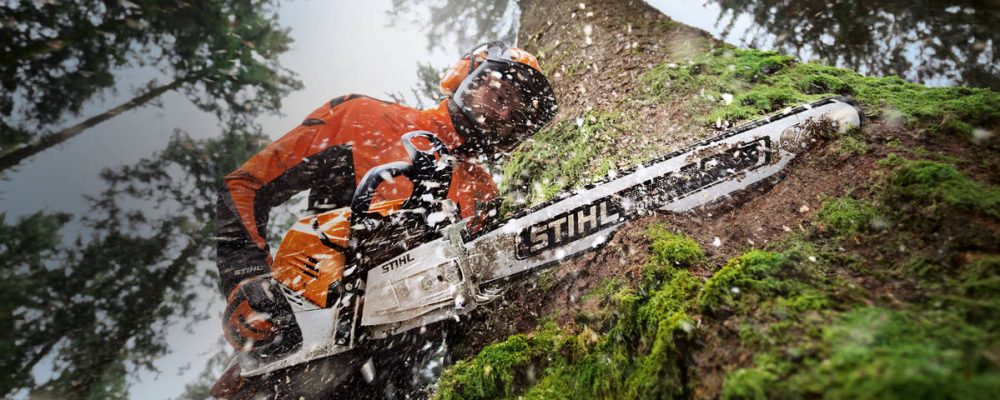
(627, 38)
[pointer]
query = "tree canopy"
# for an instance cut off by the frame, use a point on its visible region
(100, 306)
(58, 56)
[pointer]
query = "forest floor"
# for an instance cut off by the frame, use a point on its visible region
(870, 269)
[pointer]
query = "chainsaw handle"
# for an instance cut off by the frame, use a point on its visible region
(424, 159)
(362, 199)
(428, 170)
(431, 169)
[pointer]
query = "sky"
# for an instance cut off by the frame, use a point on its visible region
(340, 47)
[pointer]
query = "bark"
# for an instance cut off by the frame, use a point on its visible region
(15, 157)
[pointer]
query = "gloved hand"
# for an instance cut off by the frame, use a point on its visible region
(258, 320)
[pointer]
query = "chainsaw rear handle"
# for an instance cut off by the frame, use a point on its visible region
(428, 170)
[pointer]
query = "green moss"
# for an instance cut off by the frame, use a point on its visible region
(551, 57)
(852, 146)
(805, 347)
(981, 278)
(762, 82)
(659, 374)
(546, 279)
(728, 71)
(877, 353)
(501, 368)
(752, 383)
(563, 155)
(757, 101)
(751, 274)
(976, 293)
(670, 251)
(719, 69)
(921, 152)
(807, 300)
(845, 215)
(766, 284)
(880, 353)
(641, 356)
(603, 296)
(970, 290)
(823, 83)
(667, 24)
(605, 290)
(932, 185)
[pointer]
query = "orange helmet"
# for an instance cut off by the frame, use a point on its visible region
(502, 93)
(461, 69)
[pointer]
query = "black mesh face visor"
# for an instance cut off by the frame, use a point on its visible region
(507, 101)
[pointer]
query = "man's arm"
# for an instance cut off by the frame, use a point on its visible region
(309, 156)
(257, 318)
(266, 180)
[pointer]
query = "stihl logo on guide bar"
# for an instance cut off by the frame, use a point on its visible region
(583, 221)
(566, 228)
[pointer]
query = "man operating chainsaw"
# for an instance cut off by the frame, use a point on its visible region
(497, 97)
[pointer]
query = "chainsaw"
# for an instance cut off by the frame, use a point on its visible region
(340, 300)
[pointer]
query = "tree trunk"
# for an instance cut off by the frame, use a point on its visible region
(15, 157)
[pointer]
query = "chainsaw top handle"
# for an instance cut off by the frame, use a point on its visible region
(428, 170)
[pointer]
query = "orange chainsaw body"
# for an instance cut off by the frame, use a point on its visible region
(312, 256)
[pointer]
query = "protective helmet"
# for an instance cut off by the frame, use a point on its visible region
(502, 92)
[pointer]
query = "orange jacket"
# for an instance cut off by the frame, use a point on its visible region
(329, 153)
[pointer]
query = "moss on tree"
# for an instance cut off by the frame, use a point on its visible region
(761, 82)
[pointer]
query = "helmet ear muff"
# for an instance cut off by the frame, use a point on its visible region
(460, 70)
(517, 55)
(454, 76)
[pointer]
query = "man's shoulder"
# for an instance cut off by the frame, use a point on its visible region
(360, 100)
(353, 106)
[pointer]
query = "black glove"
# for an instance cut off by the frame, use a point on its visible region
(259, 321)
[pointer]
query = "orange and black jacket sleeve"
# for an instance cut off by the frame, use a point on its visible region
(307, 157)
